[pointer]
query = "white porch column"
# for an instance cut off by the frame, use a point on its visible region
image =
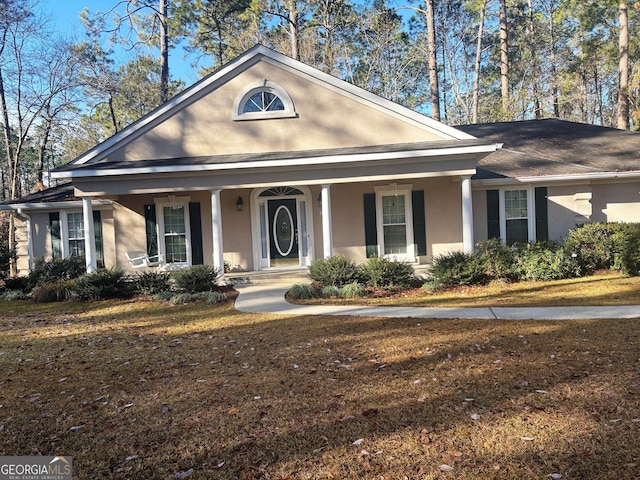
(89, 235)
(216, 225)
(327, 232)
(467, 215)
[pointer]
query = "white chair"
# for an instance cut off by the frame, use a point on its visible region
(139, 259)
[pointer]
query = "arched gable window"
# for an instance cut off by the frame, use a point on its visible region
(263, 100)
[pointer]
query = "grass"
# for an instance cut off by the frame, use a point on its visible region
(144, 390)
(605, 288)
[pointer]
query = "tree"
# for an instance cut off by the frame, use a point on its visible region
(150, 30)
(504, 59)
(478, 61)
(623, 67)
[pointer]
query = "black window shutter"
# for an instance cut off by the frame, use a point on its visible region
(542, 217)
(197, 254)
(151, 230)
(97, 230)
(370, 227)
(493, 214)
(56, 239)
(419, 226)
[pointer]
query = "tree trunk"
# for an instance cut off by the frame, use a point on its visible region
(13, 268)
(42, 148)
(623, 68)
(164, 52)
(554, 68)
(504, 60)
(476, 79)
(293, 29)
(433, 62)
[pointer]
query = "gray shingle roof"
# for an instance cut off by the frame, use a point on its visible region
(555, 147)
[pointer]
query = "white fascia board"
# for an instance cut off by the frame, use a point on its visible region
(320, 160)
(568, 178)
(72, 204)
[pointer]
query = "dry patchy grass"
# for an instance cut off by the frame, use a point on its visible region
(147, 391)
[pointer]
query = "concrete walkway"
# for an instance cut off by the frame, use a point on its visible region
(270, 299)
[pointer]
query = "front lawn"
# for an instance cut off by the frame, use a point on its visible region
(144, 390)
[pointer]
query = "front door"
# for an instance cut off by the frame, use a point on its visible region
(283, 232)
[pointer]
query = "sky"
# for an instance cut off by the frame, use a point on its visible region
(66, 20)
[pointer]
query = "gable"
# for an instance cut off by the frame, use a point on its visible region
(329, 114)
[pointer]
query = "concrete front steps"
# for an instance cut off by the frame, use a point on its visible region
(288, 276)
(274, 276)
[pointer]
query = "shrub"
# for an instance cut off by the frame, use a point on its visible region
(627, 248)
(302, 291)
(58, 291)
(17, 283)
(499, 259)
(336, 270)
(351, 290)
(330, 291)
(384, 273)
(198, 278)
(458, 269)
(545, 261)
(103, 284)
(594, 244)
(10, 295)
(209, 297)
(58, 269)
(152, 283)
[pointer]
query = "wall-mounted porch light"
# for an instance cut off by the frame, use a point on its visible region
(239, 204)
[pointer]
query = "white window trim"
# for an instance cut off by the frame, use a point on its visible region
(531, 214)
(64, 232)
(259, 86)
(173, 201)
(395, 189)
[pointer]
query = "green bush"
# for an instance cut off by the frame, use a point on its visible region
(627, 246)
(351, 290)
(595, 245)
(336, 271)
(152, 283)
(58, 269)
(383, 273)
(10, 295)
(198, 278)
(104, 284)
(499, 259)
(330, 291)
(57, 291)
(209, 297)
(302, 291)
(457, 269)
(545, 261)
(17, 283)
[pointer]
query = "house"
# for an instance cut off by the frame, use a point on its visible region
(552, 175)
(268, 163)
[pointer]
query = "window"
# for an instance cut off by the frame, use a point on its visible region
(516, 216)
(67, 235)
(395, 229)
(263, 100)
(173, 227)
(75, 228)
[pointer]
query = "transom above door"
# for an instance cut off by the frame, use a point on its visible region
(282, 223)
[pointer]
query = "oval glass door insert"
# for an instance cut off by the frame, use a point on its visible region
(283, 230)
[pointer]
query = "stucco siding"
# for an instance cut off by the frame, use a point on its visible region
(326, 119)
(619, 202)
